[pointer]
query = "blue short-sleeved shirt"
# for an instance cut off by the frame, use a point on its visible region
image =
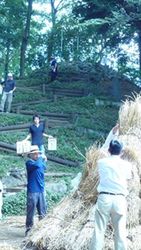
(9, 85)
(37, 134)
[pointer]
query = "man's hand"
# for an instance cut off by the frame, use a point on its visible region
(11, 91)
(50, 136)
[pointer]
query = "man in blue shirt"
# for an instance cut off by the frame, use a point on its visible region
(36, 133)
(7, 97)
(35, 167)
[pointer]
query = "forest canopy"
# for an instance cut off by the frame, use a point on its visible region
(100, 31)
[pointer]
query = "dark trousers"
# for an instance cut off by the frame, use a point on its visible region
(35, 200)
(53, 75)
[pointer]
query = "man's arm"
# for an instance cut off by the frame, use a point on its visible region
(11, 91)
(49, 136)
(28, 137)
(32, 165)
(113, 134)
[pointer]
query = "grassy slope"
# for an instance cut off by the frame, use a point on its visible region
(91, 124)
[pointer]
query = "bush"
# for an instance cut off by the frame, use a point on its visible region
(16, 204)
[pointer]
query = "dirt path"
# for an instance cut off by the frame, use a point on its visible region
(12, 234)
(12, 231)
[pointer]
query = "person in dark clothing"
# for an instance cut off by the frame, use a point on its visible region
(36, 133)
(53, 65)
(9, 87)
(35, 167)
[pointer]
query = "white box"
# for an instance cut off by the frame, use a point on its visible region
(23, 147)
(52, 143)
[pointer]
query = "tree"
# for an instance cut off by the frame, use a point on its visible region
(25, 37)
(122, 18)
(10, 34)
(56, 6)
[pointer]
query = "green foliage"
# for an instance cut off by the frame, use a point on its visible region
(71, 141)
(27, 94)
(16, 204)
(53, 198)
(14, 119)
(13, 137)
(9, 162)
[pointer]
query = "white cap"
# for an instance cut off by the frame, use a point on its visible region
(34, 149)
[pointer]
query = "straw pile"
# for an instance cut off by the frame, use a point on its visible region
(71, 224)
(7, 247)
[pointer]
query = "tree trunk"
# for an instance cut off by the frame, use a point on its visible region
(53, 13)
(50, 45)
(51, 37)
(25, 38)
(7, 59)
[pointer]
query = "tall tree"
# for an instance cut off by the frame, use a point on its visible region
(25, 37)
(56, 7)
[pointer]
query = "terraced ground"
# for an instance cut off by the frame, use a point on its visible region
(76, 120)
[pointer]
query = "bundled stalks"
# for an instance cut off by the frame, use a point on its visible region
(88, 184)
(130, 114)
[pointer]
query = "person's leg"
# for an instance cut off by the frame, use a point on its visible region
(53, 76)
(42, 149)
(102, 216)
(31, 206)
(41, 205)
(9, 101)
(3, 101)
(118, 217)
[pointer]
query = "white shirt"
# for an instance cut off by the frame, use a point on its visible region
(113, 175)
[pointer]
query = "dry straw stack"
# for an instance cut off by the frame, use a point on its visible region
(7, 247)
(71, 224)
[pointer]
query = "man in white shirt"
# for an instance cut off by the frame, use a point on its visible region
(113, 175)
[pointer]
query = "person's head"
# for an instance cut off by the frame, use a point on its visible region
(10, 76)
(36, 119)
(115, 147)
(34, 152)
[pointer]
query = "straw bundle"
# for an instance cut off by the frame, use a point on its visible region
(7, 247)
(130, 114)
(65, 228)
(70, 225)
(87, 187)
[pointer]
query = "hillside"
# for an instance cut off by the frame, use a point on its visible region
(79, 108)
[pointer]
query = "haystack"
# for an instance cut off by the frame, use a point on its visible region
(70, 225)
